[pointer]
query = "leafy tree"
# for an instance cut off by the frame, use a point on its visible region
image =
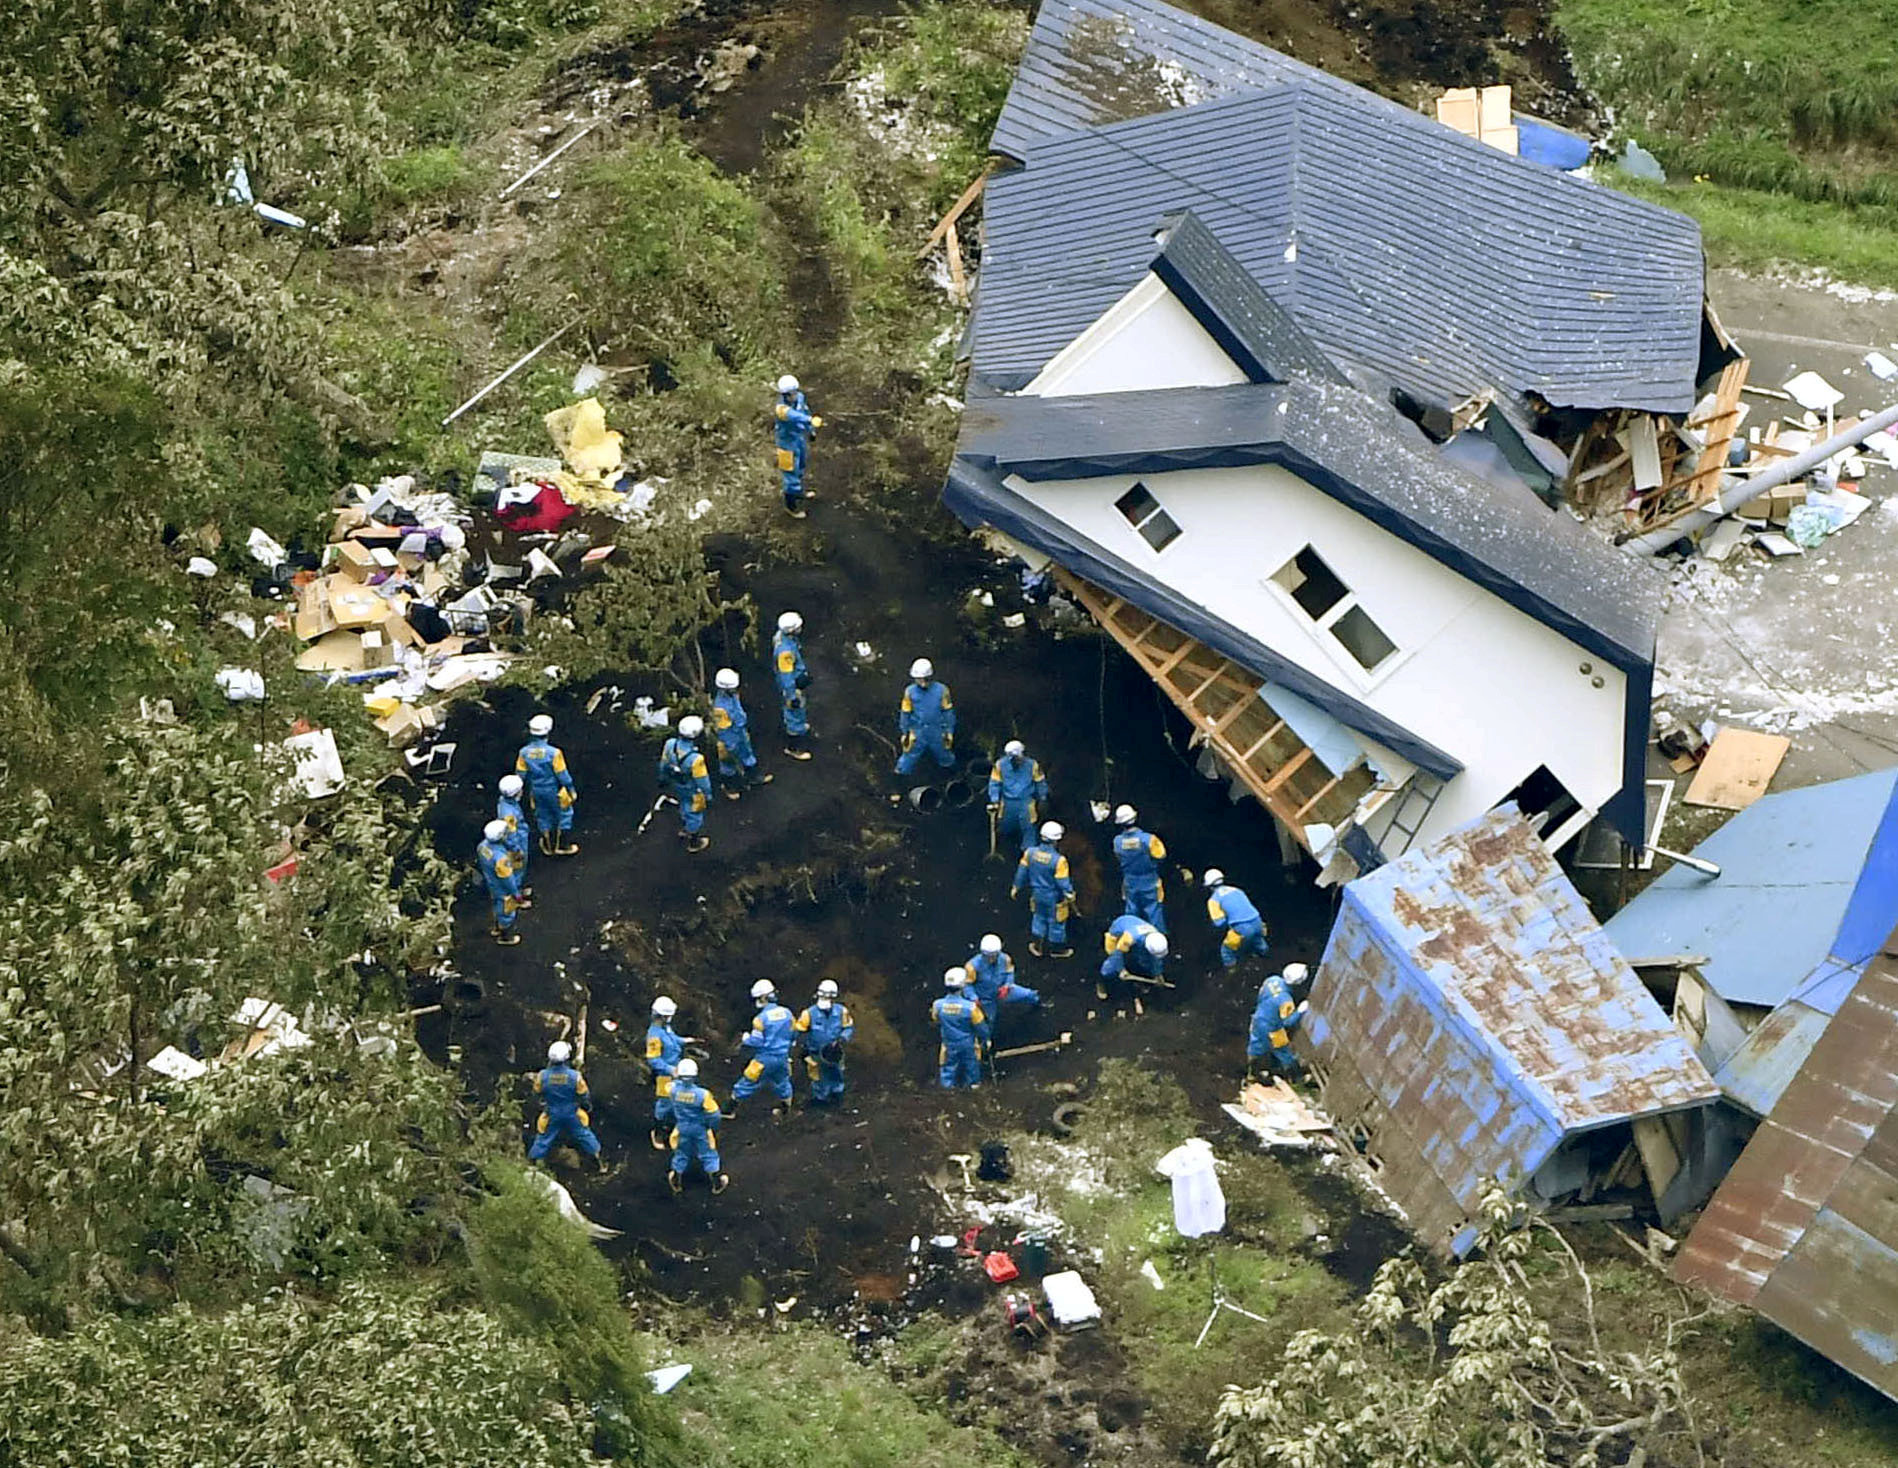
(1474, 1372)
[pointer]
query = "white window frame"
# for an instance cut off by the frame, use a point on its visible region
(1366, 676)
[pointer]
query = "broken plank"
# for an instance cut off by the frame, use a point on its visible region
(957, 280)
(1737, 768)
(956, 210)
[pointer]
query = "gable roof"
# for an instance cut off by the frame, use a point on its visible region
(1337, 203)
(1804, 1228)
(1806, 876)
(1250, 327)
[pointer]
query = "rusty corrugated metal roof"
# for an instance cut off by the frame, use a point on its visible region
(1470, 1014)
(1805, 1228)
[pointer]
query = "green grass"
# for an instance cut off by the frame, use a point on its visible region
(1752, 229)
(797, 1399)
(426, 175)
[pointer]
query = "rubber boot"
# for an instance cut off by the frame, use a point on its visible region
(507, 938)
(755, 778)
(721, 1182)
(660, 1141)
(731, 792)
(676, 1181)
(698, 842)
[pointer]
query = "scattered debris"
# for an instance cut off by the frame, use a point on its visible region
(665, 1378)
(241, 685)
(1278, 1116)
(570, 1210)
(1739, 765)
(1070, 1301)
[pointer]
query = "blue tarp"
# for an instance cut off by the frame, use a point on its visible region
(1540, 142)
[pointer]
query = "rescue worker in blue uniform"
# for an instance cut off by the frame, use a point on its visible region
(563, 1106)
(1018, 793)
(1274, 1018)
(550, 784)
(664, 1050)
(683, 775)
(731, 728)
(510, 809)
(992, 979)
(1136, 950)
(824, 1029)
(1043, 870)
(769, 1041)
(1140, 854)
(504, 882)
(926, 719)
(964, 1027)
(787, 666)
(1235, 919)
(695, 1119)
(793, 424)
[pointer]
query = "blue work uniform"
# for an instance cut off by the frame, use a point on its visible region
(1125, 943)
(663, 1049)
(514, 814)
(549, 785)
(1016, 784)
(964, 1027)
(992, 981)
(927, 722)
(503, 879)
(787, 666)
(682, 771)
(1238, 922)
(820, 1029)
(769, 1041)
(563, 1113)
(695, 1119)
(731, 727)
(1273, 1019)
(1141, 888)
(791, 430)
(1044, 871)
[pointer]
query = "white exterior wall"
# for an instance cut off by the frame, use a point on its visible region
(1474, 676)
(1147, 340)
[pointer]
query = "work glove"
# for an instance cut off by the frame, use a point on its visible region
(816, 423)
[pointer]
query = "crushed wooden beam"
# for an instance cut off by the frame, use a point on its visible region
(956, 211)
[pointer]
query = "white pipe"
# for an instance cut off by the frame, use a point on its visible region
(548, 159)
(511, 371)
(1698, 863)
(1742, 490)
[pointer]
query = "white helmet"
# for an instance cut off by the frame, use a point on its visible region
(686, 1070)
(1156, 944)
(559, 1053)
(991, 944)
(1295, 973)
(1125, 815)
(541, 725)
(1053, 830)
(691, 726)
(787, 383)
(664, 1007)
(955, 978)
(1015, 747)
(726, 678)
(922, 668)
(454, 537)
(764, 991)
(511, 786)
(827, 989)
(494, 830)
(790, 622)
(1213, 877)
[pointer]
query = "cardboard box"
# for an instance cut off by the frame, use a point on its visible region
(377, 650)
(355, 560)
(355, 608)
(396, 628)
(408, 724)
(1776, 504)
(313, 617)
(337, 651)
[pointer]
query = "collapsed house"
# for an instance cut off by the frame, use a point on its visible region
(1470, 1020)
(1280, 439)
(1805, 1227)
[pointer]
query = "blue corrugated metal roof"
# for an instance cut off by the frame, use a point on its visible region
(1802, 873)
(1335, 201)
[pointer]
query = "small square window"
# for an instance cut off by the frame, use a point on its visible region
(1136, 504)
(1362, 638)
(1159, 531)
(1311, 583)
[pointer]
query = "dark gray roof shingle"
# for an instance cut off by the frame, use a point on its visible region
(1399, 245)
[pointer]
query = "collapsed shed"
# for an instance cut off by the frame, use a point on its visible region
(1470, 1020)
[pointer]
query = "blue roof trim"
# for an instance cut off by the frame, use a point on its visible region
(1873, 909)
(976, 495)
(1238, 313)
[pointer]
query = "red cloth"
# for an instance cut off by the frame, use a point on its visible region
(548, 510)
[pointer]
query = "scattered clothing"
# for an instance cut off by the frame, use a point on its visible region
(963, 1026)
(1141, 888)
(1018, 787)
(1238, 922)
(1044, 872)
(769, 1041)
(927, 721)
(824, 1030)
(563, 1116)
